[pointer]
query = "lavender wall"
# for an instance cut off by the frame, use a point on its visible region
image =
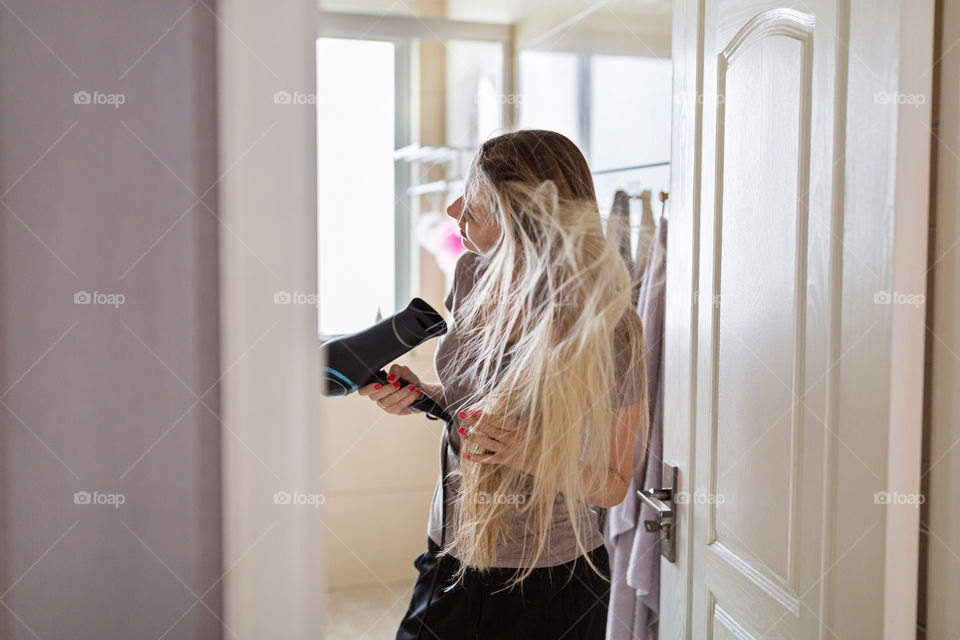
(109, 191)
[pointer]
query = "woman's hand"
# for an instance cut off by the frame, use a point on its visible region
(393, 398)
(502, 436)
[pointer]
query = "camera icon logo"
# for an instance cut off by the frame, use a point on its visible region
(281, 97)
(281, 497)
(82, 297)
(881, 497)
(82, 97)
(282, 297)
(881, 297)
(81, 497)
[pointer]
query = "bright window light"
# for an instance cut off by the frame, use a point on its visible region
(355, 183)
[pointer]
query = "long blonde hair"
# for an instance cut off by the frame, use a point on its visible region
(555, 276)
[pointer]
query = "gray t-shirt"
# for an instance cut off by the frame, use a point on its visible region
(562, 546)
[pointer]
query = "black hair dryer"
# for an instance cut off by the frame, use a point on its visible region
(356, 360)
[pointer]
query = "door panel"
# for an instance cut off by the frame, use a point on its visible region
(754, 337)
(760, 224)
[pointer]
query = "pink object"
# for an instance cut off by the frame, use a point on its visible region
(440, 235)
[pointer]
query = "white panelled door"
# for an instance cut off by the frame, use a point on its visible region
(792, 396)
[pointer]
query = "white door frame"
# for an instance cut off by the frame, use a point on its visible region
(270, 361)
(942, 616)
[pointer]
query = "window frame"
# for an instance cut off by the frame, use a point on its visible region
(402, 30)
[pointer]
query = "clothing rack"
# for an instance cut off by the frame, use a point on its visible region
(663, 197)
(631, 168)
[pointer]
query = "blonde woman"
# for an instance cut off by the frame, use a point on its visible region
(543, 367)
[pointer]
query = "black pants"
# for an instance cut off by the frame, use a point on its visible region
(549, 603)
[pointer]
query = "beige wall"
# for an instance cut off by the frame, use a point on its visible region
(379, 476)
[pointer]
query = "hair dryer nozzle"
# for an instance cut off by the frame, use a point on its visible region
(355, 360)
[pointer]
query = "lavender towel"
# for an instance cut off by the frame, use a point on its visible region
(619, 224)
(635, 553)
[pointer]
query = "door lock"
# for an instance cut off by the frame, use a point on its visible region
(661, 501)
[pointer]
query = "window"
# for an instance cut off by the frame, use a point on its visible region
(550, 93)
(355, 182)
(616, 109)
(630, 105)
(400, 112)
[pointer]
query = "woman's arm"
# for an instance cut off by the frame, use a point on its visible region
(616, 479)
(613, 482)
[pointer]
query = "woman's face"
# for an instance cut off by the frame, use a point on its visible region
(478, 235)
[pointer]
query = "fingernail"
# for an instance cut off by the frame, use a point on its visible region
(397, 385)
(462, 414)
(391, 377)
(377, 386)
(461, 430)
(473, 414)
(413, 388)
(467, 456)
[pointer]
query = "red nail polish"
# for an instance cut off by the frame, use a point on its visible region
(414, 389)
(377, 386)
(391, 377)
(462, 414)
(473, 414)
(461, 431)
(397, 385)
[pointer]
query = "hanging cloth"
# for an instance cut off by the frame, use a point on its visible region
(634, 552)
(618, 228)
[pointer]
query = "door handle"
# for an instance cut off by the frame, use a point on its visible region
(661, 501)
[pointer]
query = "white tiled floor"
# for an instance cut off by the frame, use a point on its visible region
(366, 612)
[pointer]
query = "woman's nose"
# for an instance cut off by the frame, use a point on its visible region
(455, 209)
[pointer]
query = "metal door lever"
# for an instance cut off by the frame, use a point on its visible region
(661, 501)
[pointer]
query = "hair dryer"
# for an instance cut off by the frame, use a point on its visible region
(356, 360)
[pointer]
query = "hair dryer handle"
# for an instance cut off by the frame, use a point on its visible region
(423, 403)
